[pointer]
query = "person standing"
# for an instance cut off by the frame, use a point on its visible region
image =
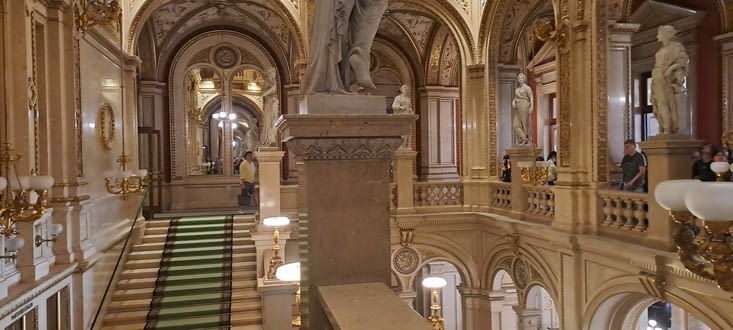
(633, 168)
(247, 171)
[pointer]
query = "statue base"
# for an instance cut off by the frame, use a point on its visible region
(343, 104)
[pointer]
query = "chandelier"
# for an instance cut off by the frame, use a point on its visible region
(707, 249)
(24, 198)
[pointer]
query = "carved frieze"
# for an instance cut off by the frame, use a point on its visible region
(419, 27)
(344, 148)
(200, 57)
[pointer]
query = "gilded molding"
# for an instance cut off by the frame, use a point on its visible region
(344, 148)
(76, 53)
(601, 75)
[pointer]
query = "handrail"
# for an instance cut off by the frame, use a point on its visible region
(119, 258)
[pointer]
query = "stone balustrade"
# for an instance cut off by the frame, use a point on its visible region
(623, 211)
(438, 193)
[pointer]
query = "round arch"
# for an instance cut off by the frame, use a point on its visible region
(616, 296)
(503, 251)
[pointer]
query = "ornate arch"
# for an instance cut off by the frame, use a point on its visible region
(628, 290)
(180, 65)
(431, 247)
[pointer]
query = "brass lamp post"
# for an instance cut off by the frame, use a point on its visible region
(435, 284)
(276, 260)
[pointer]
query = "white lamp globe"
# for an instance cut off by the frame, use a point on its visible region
(719, 167)
(670, 194)
(288, 272)
(3, 183)
(434, 282)
(710, 201)
(14, 243)
(276, 221)
(55, 229)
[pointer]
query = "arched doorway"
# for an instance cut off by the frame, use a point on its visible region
(452, 308)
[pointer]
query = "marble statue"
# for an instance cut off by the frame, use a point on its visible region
(668, 80)
(522, 108)
(271, 109)
(341, 42)
(402, 105)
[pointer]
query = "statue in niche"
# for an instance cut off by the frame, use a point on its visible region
(271, 109)
(521, 109)
(668, 80)
(402, 105)
(342, 36)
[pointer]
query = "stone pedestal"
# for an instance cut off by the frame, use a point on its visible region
(404, 162)
(346, 160)
(669, 159)
(278, 301)
(269, 159)
(521, 153)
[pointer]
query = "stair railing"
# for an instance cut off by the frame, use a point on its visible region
(138, 214)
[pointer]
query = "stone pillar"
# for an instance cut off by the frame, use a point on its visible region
(438, 128)
(346, 144)
(33, 261)
(669, 159)
(269, 159)
(726, 49)
(475, 119)
(278, 301)
(477, 308)
(527, 318)
(619, 87)
(404, 161)
(519, 194)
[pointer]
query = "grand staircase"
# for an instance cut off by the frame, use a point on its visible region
(207, 280)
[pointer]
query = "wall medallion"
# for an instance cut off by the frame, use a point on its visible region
(405, 260)
(226, 57)
(520, 273)
(106, 128)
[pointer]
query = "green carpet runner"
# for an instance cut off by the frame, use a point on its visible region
(193, 289)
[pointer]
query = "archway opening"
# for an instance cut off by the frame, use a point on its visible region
(503, 300)
(450, 298)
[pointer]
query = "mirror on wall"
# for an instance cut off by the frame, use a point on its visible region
(223, 119)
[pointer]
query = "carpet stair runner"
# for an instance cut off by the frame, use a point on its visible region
(189, 273)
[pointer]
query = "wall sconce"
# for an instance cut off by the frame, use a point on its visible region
(291, 273)
(126, 182)
(13, 245)
(18, 193)
(54, 231)
(276, 260)
(435, 284)
(709, 252)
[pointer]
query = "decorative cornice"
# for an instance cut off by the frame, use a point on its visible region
(344, 148)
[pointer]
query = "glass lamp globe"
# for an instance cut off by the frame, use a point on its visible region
(434, 282)
(669, 196)
(288, 272)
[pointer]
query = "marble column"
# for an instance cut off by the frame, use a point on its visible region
(346, 143)
(477, 136)
(438, 132)
(269, 159)
(619, 87)
(504, 131)
(477, 308)
(669, 159)
(726, 54)
(528, 318)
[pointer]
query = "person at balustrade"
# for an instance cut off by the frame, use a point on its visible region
(633, 168)
(247, 171)
(701, 167)
(552, 167)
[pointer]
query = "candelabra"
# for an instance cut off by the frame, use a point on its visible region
(435, 284)
(24, 198)
(126, 182)
(705, 251)
(276, 260)
(291, 272)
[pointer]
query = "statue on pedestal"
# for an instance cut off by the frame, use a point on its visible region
(271, 109)
(521, 109)
(668, 80)
(342, 36)
(402, 105)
